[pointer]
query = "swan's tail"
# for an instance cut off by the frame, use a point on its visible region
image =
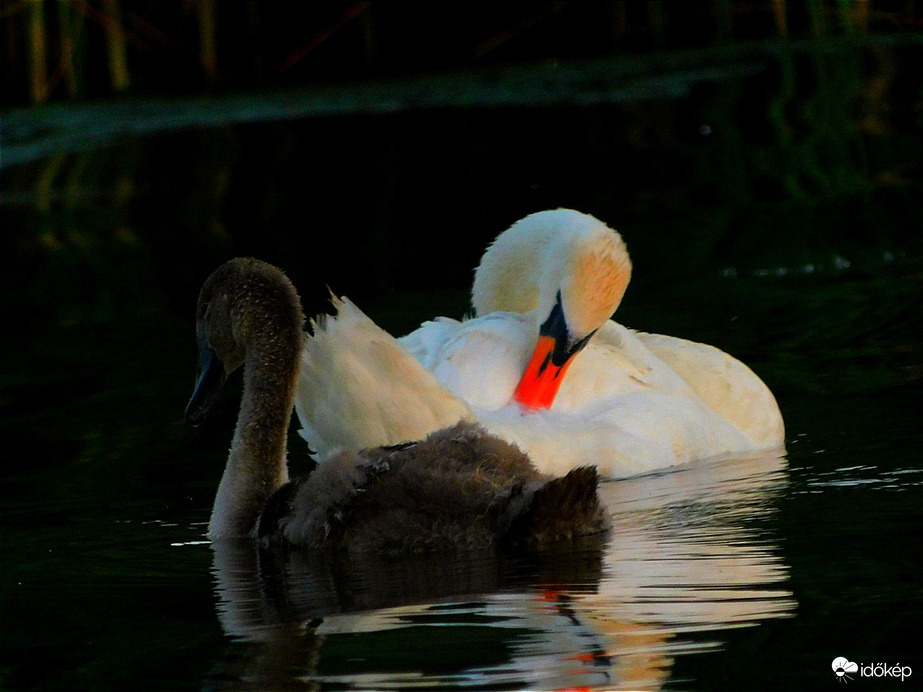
(560, 509)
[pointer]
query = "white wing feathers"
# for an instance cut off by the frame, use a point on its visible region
(360, 388)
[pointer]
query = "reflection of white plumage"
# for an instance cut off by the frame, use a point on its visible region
(541, 365)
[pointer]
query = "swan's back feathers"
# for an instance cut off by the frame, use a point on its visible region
(460, 488)
(726, 385)
(357, 385)
(449, 349)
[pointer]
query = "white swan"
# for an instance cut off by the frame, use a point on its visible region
(541, 365)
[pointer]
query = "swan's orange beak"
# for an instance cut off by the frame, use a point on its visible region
(540, 381)
(552, 356)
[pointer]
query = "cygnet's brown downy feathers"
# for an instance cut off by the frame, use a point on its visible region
(460, 488)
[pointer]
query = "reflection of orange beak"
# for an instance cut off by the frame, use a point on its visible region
(541, 380)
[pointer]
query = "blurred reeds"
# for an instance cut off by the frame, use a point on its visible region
(75, 49)
(817, 151)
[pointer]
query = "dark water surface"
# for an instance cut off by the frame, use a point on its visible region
(772, 208)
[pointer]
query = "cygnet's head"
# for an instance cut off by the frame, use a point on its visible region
(245, 304)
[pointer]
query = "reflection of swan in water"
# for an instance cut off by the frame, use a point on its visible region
(703, 558)
(685, 557)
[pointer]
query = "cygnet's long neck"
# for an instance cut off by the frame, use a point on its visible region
(256, 465)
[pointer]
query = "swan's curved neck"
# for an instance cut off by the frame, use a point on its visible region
(256, 465)
(511, 272)
(552, 255)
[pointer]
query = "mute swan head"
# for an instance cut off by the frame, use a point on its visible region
(566, 268)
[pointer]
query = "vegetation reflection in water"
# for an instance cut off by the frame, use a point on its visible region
(690, 554)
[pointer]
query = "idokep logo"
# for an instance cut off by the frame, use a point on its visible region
(842, 667)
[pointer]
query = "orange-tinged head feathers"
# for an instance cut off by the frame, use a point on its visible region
(594, 280)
